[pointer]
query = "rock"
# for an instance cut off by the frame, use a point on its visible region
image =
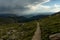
(55, 36)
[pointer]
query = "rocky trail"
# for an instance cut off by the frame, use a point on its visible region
(37, 34)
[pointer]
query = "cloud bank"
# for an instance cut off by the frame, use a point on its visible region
(18, 6)
(22, 7)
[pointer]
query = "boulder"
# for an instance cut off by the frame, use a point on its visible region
(55, 36)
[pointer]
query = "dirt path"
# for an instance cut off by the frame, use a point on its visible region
(37, 34)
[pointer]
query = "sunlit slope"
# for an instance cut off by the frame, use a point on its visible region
(50, 25)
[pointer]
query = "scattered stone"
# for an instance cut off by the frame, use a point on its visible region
(8, 33)
(14, 30)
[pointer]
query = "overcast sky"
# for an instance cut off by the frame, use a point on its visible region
(22, 7)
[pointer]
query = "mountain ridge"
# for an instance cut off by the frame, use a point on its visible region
(22, 18)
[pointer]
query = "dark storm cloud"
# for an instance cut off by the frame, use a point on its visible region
(18, 2)
(17, 6)
(21, 8)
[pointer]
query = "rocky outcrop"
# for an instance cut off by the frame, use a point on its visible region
(55, 36)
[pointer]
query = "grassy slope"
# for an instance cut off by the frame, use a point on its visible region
(25, 31)
(18, 31)
(50, 25)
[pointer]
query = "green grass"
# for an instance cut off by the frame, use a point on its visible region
(9, 29)
(21, 31)
(50, 25)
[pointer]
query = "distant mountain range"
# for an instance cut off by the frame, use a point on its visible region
(13, 18)
(22, 18)
(25, 18)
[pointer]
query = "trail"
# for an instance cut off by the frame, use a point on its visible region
(37, 34)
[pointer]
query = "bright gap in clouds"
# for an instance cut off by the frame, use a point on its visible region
(44, 8)
(57, 7)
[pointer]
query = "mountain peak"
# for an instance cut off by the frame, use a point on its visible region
(57, 13)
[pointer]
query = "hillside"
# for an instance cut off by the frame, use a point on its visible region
(17, 31)
(50, 25)
(13, 27)
(22, 19)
